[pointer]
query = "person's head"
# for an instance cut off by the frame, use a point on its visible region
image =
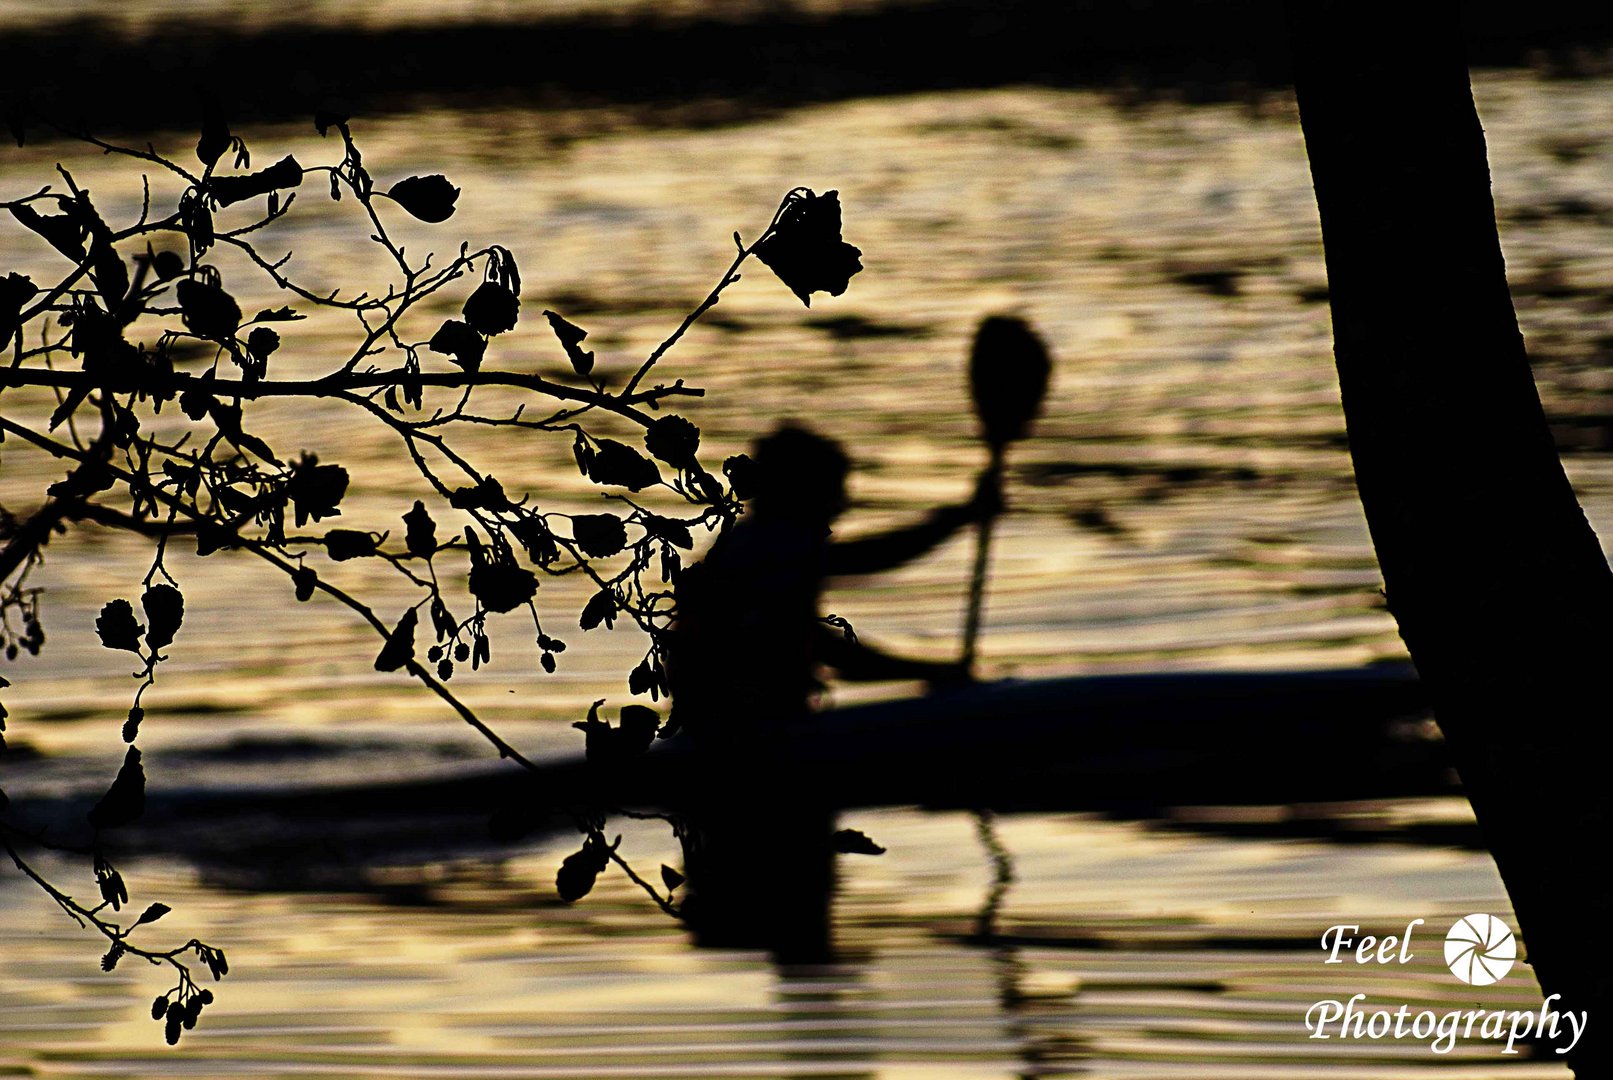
(800, 475)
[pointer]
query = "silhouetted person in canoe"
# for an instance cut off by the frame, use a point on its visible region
(750, 644)
(747, 656)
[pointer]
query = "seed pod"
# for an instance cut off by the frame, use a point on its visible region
(113, 955)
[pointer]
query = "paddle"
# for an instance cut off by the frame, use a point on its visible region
(1008, 371)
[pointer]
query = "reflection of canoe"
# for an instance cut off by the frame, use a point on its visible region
(1129, 743)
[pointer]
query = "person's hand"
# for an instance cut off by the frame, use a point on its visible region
(948, 677)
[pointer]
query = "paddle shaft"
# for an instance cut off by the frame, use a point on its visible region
(1008, 372)
(977, 582)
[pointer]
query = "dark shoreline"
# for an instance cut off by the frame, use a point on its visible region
(704, 71)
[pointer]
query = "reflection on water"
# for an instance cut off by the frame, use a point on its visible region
(1118, 949)
(1187, 504)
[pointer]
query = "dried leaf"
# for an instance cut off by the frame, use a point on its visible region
(617, 463)
(344, 544)
(215, 138)
(601, 608)
(571, 337)
(805, 250)
(208, 310)
(673, 439)
(260, 344)
(502, 586)
(165, 609)
(315, 489)
(673, 532)
(429, 198)
(599, 535)
(491, 309)
(15, 291)
(399, 648)
(420, 532)
(117, 626)
(458, 340)
(125, 800)
(151, 914)
(580, 869)
(854, 842)
(741, 473)
(227, 190)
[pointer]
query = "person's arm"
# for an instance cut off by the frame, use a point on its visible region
(873, 554)
(886, 551)
(856, 662)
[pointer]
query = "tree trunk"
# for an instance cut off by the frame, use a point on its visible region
(1500, 587)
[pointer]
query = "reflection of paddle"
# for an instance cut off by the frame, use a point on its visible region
(1008, 370)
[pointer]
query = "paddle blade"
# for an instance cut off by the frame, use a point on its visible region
(1008, 371)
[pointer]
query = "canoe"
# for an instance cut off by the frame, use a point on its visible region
(1123, 744)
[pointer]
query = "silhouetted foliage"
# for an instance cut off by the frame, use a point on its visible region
(805, 249)
(429, 198)
(577, 874)
(571, 338)
(125, 800)
(635, 730)
(855, 842)
(101, 377)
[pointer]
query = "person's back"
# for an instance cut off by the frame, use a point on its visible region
(744, 653)
(746, 620)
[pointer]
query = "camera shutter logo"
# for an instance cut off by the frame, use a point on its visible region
(1480, 949)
